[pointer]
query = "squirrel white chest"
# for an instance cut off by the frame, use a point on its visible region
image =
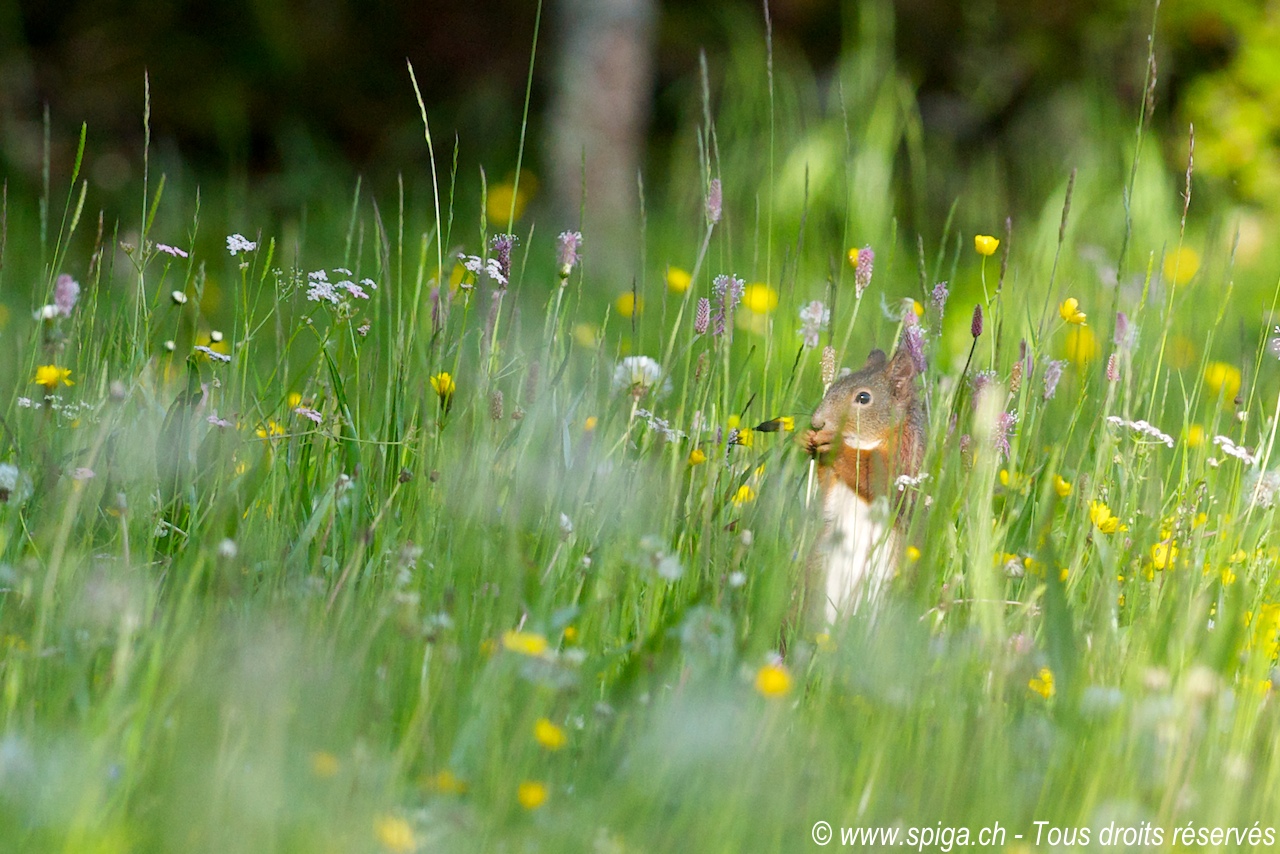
(860, 547)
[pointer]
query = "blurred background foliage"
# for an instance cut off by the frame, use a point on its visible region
(298, 98)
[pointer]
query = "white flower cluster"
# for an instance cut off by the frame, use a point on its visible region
(638, 374)
(1231, 449)
(477, 265)
(814, 318)
(239, 243)
(660, 425)
(905, 480)
(1142, 428)
(212, 354)
(320, 289)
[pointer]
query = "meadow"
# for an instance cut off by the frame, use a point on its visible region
(409, 529)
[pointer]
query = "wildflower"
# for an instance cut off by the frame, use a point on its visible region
(352, 288)
(773, 680)
(787, 423)
(1222, 380)
(238, 243)
(65, 293)
(213, 354)
(913, 554)
(294, 398)
(501, 245)
(476, 265)
(531, 644)
(446, 783)
(324, 764)
(628, 304)
(1080, 345)
(215, 336)
(548, 734)
(1052, 376)
(308, 412)
(975, 325)
(1181, 265)
(50, 375)
(1125, 332)
(697, 457)
(443, 385)
(501, 198)
(1163, 553)
(1101, 517)
(862, 271)
(394, 834)
(828, 364)
(46, 312)
(1061, 486)
(171, 250)
(715, 201)
(269, 431)
(986, 244)
(1042, 683)
(1142, 428)
(531, 794)
(1003, 427)
(905, 480)
(760, 298)
(1231, 449)
(178, 297)
(219, 422)
(702, 318)
(913, 340)
(590, 423)
(744, 495)
(939, 298)
(660, 425)
(1070, 311)
(728, 293)
(980, 380)
(678, 280)
(1113, 368)
(638, 374)
(814, 318)
(567, 251)
(227, 549)
(83, 473)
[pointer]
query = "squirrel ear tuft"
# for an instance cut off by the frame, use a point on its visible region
(902, 374)
(876, 359)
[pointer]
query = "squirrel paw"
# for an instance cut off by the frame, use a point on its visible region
(818, 442)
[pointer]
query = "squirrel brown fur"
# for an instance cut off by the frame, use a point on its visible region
(868, 431)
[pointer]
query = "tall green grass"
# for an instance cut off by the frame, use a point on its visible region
(287, 635)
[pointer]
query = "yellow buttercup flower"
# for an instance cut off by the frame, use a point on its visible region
(548, 734)
(1163, 554)
(1061, 485)
(295, 400)
(1102, 518)
(1070, 311)
(1195, 436)
(1222, 380)
(760, 298)
(773, 680)
(394, 834)
(586, 335)
(445, 782)
(744, 495)
(269, 430)
(853, 257)
(498, 202)
(531, 794)
(590, 423)
(986, 244)
(1081, 345)
(678, 280)
(525, 643)
(50, 375)
(913, 554)
(788, 423)
(443, 384)
(629, 304)
(1181, 265)
(697, 457)
(1042, 683)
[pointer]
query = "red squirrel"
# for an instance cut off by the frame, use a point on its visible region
(868, 431)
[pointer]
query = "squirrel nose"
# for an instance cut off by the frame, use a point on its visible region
(817, 423)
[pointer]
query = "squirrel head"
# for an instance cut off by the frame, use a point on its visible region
(864, 407)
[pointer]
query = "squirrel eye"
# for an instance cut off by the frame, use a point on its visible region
(863, 398)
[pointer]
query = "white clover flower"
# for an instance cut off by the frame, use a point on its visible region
(238, 243)
(638, 374)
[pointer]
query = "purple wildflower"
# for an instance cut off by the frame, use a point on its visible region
(715, 201)
(501, 245)
(171, 250)
(219, 422)
(980, 380)
(862, 270)
(728, 291)
(1004, 426)
(814, 318)
(1052, 375)
(65, 293)
(1113, 369)
(364, 328)
(913, 339)
(940, 294)
(975, 325)
(1124, 332)
(702, 320)
(567, 252)
(353, 289)
(308, 412)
